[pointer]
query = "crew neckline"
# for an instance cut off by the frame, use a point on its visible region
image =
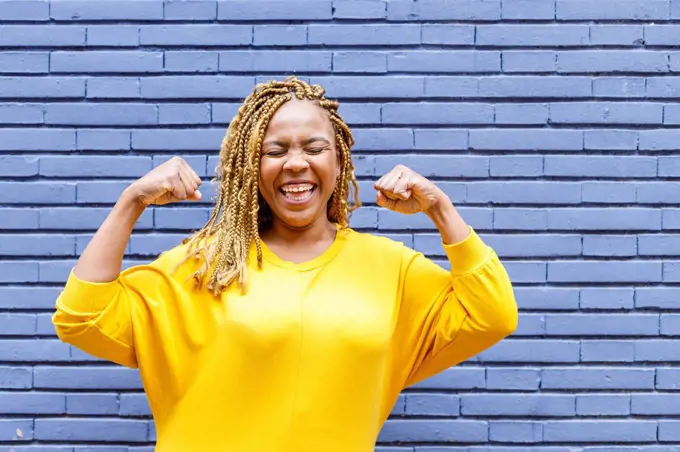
(329, 254)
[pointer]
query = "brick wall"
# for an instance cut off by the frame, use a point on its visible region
(552, 125)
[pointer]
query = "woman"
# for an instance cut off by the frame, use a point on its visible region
(276, 327)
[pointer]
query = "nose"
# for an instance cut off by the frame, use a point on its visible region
(296, 161)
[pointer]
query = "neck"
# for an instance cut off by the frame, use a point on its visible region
(318, 231)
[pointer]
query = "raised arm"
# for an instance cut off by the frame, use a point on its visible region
(445, 317)
(93, 312)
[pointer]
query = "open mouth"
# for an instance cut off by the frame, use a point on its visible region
(298, 192)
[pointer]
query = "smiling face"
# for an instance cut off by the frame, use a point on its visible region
(299, 164)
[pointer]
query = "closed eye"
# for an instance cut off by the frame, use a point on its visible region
(275, 153)
(316, 150)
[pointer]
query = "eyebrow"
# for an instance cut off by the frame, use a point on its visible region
(304, 142)
(313, 139)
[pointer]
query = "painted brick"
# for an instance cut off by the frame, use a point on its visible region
(536, 61)
(274, 10)
(105, 430)
(518, 351)
(518, 405)
(179, 87)
(190, 10)
(602, 324)
(618, 35)
(24, 62)
(38, 10)
(601, 166)
(134, 405)
(17, 429)
(101, 114)
(603, 405)
(519, 379)
(619, 219)
(515, 432)
(33, 87)
(37, 140)
(656, 297)
(195, 35)
(526, 140)
(444, 430)
(16, 377)
(87, 218)
(101, 10)
(600, 431)
(535, 86)
(613, 10)
(656, 350)
(602, 298)
(361, 62)
(32, 403)
(27, 297)
(46, 377)
(103, 140)
(92, 404)
(533, 35)
(18, 166)
(667, 379)
(608, 351)
(280, 35)
(41, 36)
(36, 245)
(191, 61)
(444, 62)
(528, 9)
(604, 271)
(443, 10)
(597, 378)
(547, 298)
(122, 61)
(437, 113)
(450, 34)
(350, 87)
(521, 114)
(272, 61)
(432, 405)
(620, 86)
(550, 125)
(330, 35)
(455, 378)
(610, 245)
(113, 35)
(113, 88)
(606, 112)
(608, 193)
(525, 192)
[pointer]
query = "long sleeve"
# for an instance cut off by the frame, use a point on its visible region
(96, 317)
(448, 317)
(101, 318)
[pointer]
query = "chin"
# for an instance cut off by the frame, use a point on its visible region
(297, 220)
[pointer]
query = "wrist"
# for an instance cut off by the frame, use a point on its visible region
(448, 221)
(130, 203)
(440, 209)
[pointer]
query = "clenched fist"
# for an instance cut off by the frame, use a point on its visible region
(405, 191)
(173, 181)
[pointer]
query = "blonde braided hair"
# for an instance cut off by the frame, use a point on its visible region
(240, 211)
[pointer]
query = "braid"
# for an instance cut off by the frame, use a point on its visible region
(240, 211)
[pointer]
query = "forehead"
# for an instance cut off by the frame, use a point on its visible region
(298, 116)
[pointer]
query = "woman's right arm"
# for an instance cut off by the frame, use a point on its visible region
(94, 311)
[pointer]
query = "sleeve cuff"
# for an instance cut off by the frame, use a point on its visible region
(467, 255)
(83, 297)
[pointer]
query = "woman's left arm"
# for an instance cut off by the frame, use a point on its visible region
(445, 317)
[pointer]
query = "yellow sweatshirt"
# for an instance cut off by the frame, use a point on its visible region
(311, 358)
